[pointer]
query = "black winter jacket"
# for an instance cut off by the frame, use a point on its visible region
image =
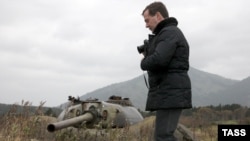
(167, 63)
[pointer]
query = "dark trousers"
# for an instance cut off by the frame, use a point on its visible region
(165, 124)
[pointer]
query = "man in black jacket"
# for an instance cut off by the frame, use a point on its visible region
(166, 59)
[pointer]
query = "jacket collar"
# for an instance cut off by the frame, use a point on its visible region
(166, 22)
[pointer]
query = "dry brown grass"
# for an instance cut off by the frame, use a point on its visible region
(207, 134)
(33, 128)
(29, 127)
(26, 126)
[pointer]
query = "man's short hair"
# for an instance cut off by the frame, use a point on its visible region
(155, 7)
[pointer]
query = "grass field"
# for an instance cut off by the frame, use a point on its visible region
(24, 127)
(34, 129)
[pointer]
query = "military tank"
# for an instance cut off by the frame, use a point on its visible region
(116, 112)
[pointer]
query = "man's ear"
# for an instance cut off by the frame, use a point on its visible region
(159, 16)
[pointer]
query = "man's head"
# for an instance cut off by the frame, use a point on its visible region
(153, 14)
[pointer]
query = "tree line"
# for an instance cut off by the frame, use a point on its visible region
(26, 108)
(214, 114)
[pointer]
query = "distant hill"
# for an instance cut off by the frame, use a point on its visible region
(205, 86)
(237, 93)
(207, 89)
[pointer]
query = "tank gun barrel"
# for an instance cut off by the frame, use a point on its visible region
(70, 122)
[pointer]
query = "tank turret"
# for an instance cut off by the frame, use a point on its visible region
(115, 112)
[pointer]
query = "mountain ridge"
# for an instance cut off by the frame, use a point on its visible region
(206, 89)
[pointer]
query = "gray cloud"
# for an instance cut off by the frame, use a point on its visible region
(52, 49)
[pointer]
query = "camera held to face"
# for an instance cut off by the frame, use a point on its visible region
(143, 48)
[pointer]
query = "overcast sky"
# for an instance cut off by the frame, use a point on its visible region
(50, 49)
